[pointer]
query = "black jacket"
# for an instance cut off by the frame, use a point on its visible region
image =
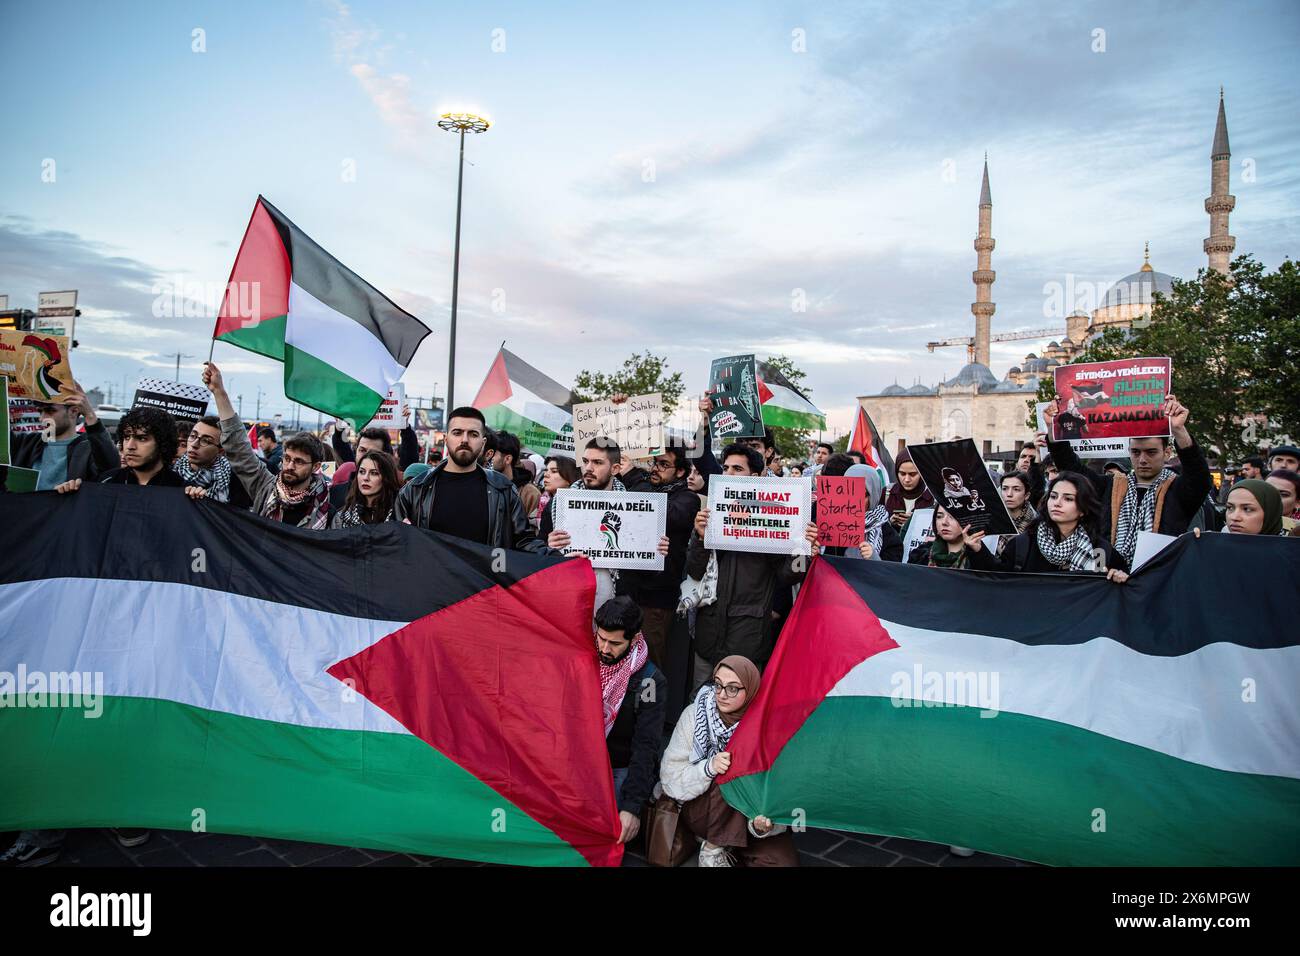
(637, 735)
(739, 621)
(408, 453)
(1182, 502)
(507, 525)
(1022, 554)
(90, 455)
(662, 589)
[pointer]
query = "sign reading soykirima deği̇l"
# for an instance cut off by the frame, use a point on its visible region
(614, 529)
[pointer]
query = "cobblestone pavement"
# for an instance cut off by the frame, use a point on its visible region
(95, 848)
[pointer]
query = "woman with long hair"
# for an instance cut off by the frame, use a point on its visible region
(953, 545)
(697, 755)
(370, 499)
(1065, 537)
(1287, 483)
(561, 471)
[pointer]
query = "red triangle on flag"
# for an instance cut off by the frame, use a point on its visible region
(496, 387)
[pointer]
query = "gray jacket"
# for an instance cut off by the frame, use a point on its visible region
(250, 469)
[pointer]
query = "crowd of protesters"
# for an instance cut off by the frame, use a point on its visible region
(693, 638)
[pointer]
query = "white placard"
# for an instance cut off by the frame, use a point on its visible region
(57, 303)
(390, 412)
(636, 425)
(919, 531)
(1149, 544)
(752, 513)
(1088, 447)
(614, 529)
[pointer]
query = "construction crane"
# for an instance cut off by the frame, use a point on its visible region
(969, 340)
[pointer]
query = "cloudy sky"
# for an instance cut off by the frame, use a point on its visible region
(672, 176)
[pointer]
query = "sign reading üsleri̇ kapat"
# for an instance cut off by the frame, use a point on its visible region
(752, 513)
(614, 529)
(1123, 399)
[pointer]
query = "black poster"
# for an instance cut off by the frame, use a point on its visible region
(737, 407)
(960, 482)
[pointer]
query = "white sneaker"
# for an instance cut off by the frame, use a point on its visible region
(711, 855)
(961, 851)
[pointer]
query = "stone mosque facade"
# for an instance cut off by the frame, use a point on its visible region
(975, 403)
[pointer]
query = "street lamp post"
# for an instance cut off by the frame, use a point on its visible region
(461, 123)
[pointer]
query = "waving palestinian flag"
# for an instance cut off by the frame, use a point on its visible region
(1111, 725)
(784, 406)
(343, 343)
(517, 398)
(366, 687)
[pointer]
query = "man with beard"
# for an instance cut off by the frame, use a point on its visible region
(298, 495)
(462, 498)
(58, 452)
(148, 437)
(600, 460)
(203, 464)
(633, 699)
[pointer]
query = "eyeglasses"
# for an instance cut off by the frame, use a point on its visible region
(666, 465)
(727, 690)
(203, 441)
(299, 462)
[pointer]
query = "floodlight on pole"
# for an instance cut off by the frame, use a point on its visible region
(461, 123)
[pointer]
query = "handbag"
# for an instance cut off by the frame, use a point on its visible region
(668, 840)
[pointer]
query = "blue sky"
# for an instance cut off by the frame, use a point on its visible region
(849, 170)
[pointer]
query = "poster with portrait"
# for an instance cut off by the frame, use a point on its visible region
(959, 480)
(614, 529)
(737, 406)
(1088, 447)
(1123, 399)
(752, 513)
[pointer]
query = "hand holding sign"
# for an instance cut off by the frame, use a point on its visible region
(841, 511)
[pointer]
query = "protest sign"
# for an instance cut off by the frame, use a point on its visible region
(1149, 544)
(187, 403)
(737, 407)
(1087, 447)
(752, 513)
(841, 511)
(389, 414)
(4, 426)
(636, 425)
(36, 366)
(16, 480)
(429, 420)
(614, 529)
(24, 416)
(956, 476)
(919, 531)
(1123, 399)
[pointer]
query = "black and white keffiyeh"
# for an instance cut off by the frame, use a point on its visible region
(350, 517)
(710, 735)
(1135, 517)
(874, 531)
(215, 480)
(1074, 553)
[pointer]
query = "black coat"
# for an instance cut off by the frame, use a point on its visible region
(637, 736)
(1182, 502)
(90, 454)
(1022, 554)
(662, 589)
(740, 620)
(508, 527)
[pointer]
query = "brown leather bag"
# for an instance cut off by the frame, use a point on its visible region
(668, 840)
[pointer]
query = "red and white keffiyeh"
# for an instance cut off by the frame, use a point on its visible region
(614, 679)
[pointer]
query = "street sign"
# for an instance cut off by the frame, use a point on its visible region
(57, 303)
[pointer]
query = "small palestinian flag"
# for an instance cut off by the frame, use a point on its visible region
(866, 439)
(517, 398)
(1111, 725)
(343, 343)
(363, 687)
(784, 406)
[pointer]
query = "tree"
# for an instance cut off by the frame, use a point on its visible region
(639, 375)
(1232, 345)
(791, 442)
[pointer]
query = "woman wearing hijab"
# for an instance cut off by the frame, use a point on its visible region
(1254, 507)
(952, 546)
(1066, 538)
(908, 493)
(697, 755)
(880, 541)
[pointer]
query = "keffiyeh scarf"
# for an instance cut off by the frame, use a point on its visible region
(709, 735)
(1022, 522)
(215, 480)
(614, 679)
(875, 529)
(317, 491)
(1134, 517)
(350, 517)
(1071, 554)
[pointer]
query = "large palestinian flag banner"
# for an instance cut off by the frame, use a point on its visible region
(1056, 718)
(784, 406)
(378, 687)
(343, 343)
(517, 398)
